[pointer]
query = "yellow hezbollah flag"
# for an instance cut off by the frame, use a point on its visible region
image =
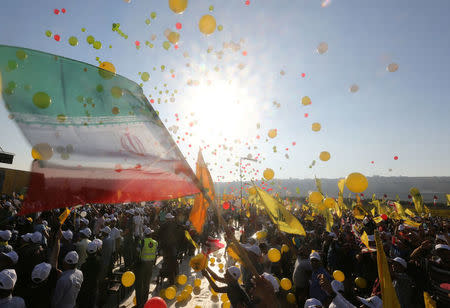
(189, 238)
(365, 239)
(417, 199)
(448, 199)
(198, 212)
(429, 302)
(62, 218)
(277, 212)
(388, 294)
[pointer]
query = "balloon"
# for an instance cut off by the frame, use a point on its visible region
(322, 48)
(286, 284)
(90, 39)
(284, 248)
(226, 205)
(356, 182)
(107, 70)
(166, 45)
(224, 297)
(324, 156)
(181, 279)
(145, 76)
(155, 302)
(178, 6)
(274, 255)
(268, 174)
(306, 101)
(261, 234)
(188, 288)
(97, 45)
(252, 191)
(329, 202)
(289, 297)
(180, 298)
(272, 133)
(115, 110)
(393, 67)
(338, 275)
(197, 282)
(170, 293)
(316, 127)
(198, 262)
(360, 282)
(220, 266)
(384, 217)
(173, 37)
(128, 279)
(42, 100)
(315, 197)
(116, 92)
(212, 260)
(354, 88)
(207, 24)
(42, 151)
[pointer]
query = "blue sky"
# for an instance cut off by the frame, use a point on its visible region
(402, 114)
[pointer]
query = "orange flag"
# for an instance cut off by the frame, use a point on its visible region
(198, 212)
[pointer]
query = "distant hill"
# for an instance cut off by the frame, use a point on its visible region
(391, 186)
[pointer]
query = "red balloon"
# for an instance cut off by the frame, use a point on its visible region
(155, 302)
(226, 205)
(384, 217)
(395, 157)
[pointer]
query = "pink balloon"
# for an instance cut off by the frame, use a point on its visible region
(155, 302)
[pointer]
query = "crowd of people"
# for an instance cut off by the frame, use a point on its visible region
(46, 262)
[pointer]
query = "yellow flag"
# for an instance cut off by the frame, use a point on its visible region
(277, 212)
(341, 185)
(365, 239)
(399, 209)
(198, 212)
(411, 223)
(388, 294)
(429, 302)
(62, 218)
(417, 199)
(377, 219)
(448, 199)
(328, 219)
(373, 211)
(189, 238)
(410, 213)
(318, 185)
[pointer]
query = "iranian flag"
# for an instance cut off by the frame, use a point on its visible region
(95, 138)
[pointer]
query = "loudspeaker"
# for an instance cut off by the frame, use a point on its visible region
(6, 158)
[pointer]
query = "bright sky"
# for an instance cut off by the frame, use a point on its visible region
(403, 113)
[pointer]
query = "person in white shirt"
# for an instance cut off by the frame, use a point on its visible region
(69, 283)
(8, 280)
(82, 245)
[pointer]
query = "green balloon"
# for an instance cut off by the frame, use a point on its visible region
(12, 65)
(97, 45)
(211, 8)
(42, 100)
(21, 55)
(145, 76)
(147, 21)
(90, 39)
(163, 68)
(73, 41)
(48, 33)
(219, 27)
(83, 29)
(153, 15)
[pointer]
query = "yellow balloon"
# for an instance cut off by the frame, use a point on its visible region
(226, 305)
(170, 293)
(221, 266)
(173, 37)
(128, 279)
(356, 182)
(316, 127)
(181, 279)
(42, 151)
(324, 156)
(315, 197)
(107, 70)
(286, 284)
(178, 6)
(198, 262)
(268, 174)
(261, 235)
(180, 298)
(197, 282)
(284, 248)
(329, 202)
(338, 275)
(188, 288)
(306, 101)
(224, 297)
(360, 282)
(212, 260)
(207, 24)
(272, 133)
(274, 255)
(290, 298)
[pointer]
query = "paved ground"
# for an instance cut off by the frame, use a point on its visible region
(200, 296)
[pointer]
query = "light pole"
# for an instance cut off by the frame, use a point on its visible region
(240, 171)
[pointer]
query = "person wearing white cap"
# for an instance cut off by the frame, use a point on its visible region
(315, 290)
(8, 280)
(43, 282)
(36, 237)
(273, 281)
(403, 284)
(371, 302)
(5, 236)
(82, 245)
(91, 273)
(69, 283)
(313, 303)
(8, 259)
(66, 245)
(235, 292)
(148, 249)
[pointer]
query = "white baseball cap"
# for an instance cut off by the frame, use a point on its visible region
(84, 220)
(12, 255)
(314, 255)
(272, 280)
(71, 257)
(253, 248)
(337, 286)
(234, 272)
(371, 302)
(106, 230)
(8, 278)
(36, 237)
(5, 235)
(40, 272)
(148, 231)
(92, 247)
(169, 216)
(401, 261)
(26, 237)
(86, 232)
(312, 303)
(442, 246)
(68, 235)
(98, 242)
